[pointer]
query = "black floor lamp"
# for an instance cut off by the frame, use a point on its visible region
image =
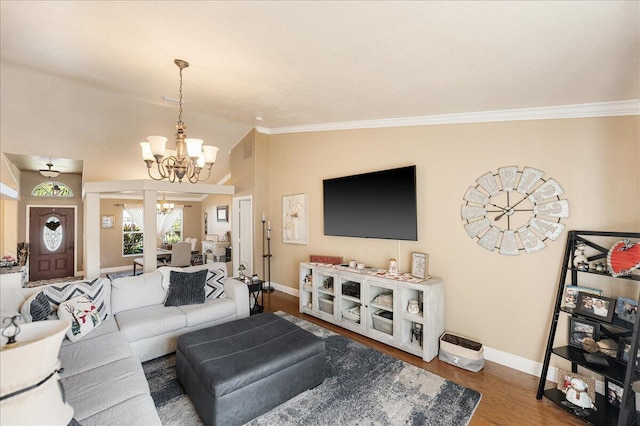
(266, 256)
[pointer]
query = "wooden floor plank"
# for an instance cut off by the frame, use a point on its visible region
(508, 396)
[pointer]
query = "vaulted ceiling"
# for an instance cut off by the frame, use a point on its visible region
(83, 80)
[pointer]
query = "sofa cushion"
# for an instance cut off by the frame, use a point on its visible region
(88, 354)
(139, 410)
(139, 291)
(103, 387)
(211, 310)
(107, 326)
(82, 314)
(36, 307)
(186, 288)
(149, 321)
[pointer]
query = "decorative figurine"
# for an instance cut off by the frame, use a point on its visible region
(255, 278)
(580, 261)
(577, 394)
(413, 307)
(416, 332)
(393, 266)
(241, 269)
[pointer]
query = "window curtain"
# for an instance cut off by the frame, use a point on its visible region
(164, 222)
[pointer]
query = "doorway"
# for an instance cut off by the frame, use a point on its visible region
(51, 242)
(242, 234)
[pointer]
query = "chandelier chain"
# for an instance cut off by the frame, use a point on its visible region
(180, 102)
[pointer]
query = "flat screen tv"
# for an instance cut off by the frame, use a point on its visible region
(380, 204)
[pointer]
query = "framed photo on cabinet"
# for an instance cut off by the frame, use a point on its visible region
(419, 267)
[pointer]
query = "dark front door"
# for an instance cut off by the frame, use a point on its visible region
(51, 236)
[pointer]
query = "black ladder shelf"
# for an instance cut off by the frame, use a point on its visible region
(605, 414)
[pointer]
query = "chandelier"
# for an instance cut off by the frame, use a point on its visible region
(189, 157)
(49, 173)
(164, 207)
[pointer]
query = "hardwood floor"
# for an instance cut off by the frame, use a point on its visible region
(508, 396)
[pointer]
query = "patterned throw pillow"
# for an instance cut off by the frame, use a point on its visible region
(186, 288)
(36, 308)
(92, 289)
(214, 286)
(82, 314)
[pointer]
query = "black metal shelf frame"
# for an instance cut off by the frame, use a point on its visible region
(626, 375)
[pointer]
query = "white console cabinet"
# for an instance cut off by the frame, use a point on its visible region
(375, 305)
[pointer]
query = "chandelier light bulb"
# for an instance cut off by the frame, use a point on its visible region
(147, 155)
(194, 147)
(210, 153)
(158, 145)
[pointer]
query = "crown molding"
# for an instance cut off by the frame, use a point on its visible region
(601, 109)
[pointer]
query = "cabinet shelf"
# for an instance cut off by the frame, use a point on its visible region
(604, 414)
(613, 371)
(606, 274)
(351, 298)
(328, 291)
(383, 307)
(412, 317)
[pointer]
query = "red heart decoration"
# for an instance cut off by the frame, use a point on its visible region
(623, 258)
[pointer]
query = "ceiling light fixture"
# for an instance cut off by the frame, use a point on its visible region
(189, 157)
(49, 173)
(164, 207)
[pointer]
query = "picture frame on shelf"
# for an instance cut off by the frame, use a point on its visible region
(564, 381)
(222, 213)
(622, 356)
(595, 306)
(107, 221)
(580, 329)
(614, 393)
(571, 294)
(627, 309)
(419, 265)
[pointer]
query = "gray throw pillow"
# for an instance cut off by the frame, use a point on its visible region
(186, 288)
(40, 308)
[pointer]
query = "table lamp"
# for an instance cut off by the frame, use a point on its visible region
(29, 390)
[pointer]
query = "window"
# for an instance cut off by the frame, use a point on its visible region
(52, 234)
(52, 189)
(133, 238)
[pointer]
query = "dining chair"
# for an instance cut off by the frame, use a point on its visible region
(180, 254)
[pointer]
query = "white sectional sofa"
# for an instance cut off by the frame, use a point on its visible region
(103, 377)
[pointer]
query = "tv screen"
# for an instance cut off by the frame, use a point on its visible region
(372, 205)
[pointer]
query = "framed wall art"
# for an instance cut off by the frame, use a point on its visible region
(107, 221)
(294, 219)
(222, 213)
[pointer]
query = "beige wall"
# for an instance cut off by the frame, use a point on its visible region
(9, 215)
(111, 239)
(214, 227)
(506, 302)
(28, 181)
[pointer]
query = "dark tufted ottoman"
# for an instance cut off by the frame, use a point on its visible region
(234, 372)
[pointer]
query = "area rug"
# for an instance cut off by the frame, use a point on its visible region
(362, 386)
(54, 281)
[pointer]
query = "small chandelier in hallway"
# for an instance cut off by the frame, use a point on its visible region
(164, 207)
(189, 157)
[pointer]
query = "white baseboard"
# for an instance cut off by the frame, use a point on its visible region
(286, 289)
